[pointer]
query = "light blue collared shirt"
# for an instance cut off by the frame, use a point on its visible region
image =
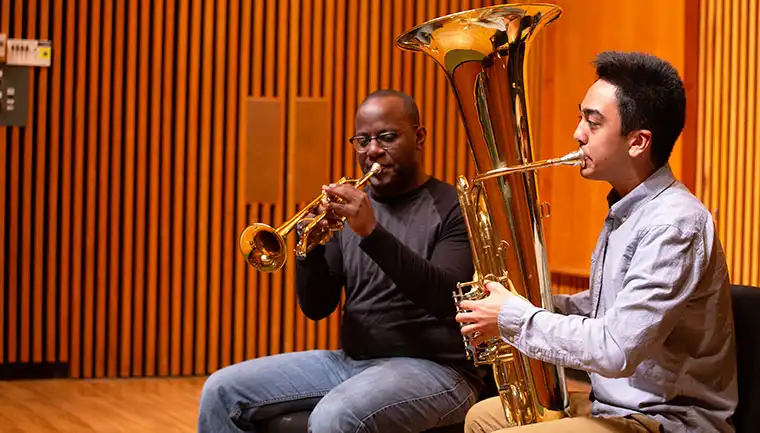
(655, 329)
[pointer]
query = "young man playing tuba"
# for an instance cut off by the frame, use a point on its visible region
(655, 329)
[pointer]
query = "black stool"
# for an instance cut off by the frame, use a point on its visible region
(746, 305)
(298, 422)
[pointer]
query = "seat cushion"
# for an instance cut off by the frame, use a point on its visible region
(298, 422)
(746, 305)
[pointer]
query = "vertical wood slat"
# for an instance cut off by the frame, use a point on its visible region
(723, 93)
(52, 282)
(290, 324)
(319, 43)
(163, 278)
(103, 206)
(143, 360)
(328, 63)
(287, 75)
(243, 337)
(730, 119)
(67, 147)
(229, 254)
(301, 25)
(90, 193)
(739, 128)
(751, 186)
(77, 191)
(753, 221)
(440, 93)
(215, 290)
(193, 351)
(25, 158)
(351, 83)
(202, 359)
(41, 151)
(726, 172)
(178, 294)
(25, 177)
(128, 203)
(116, 220)
(155, 357)
(338, 131)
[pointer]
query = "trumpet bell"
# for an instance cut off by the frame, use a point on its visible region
(263, 247)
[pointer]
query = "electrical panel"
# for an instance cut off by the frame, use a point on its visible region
(17, 57)
(14, 95)
(28, 52)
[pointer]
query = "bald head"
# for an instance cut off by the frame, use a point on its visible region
(410, 111)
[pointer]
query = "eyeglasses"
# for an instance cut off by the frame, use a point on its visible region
(386, 140)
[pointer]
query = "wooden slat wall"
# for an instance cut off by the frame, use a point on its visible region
(728, 160)
(122, 201)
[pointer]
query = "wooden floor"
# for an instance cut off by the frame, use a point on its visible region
(112, 405)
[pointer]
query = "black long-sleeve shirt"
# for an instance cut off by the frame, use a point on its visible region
(398, 280)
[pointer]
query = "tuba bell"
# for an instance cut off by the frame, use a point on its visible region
(483, 54)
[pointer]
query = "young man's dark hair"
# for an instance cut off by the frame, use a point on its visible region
(650, 96)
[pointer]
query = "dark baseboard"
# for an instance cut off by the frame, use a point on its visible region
(34, 370)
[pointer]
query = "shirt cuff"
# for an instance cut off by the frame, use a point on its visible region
(512, 317)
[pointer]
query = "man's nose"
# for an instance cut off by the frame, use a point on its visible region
(375, 149)
(579, 135)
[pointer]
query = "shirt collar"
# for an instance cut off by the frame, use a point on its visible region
(657, 182)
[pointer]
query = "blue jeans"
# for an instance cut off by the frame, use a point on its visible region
(346, 395)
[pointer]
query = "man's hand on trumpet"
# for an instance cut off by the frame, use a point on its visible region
(354, 205)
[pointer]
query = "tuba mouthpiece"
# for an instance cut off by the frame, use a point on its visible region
(574, 158)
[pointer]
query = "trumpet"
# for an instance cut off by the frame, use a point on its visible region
(264, 246)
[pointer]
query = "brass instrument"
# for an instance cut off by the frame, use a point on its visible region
(483, 54)
(264, 247)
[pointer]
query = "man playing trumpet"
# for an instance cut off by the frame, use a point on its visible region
(401, 366)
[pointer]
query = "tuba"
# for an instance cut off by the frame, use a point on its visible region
(483, 53)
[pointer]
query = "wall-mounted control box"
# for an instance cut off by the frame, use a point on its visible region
(28, 52)
(14, 95)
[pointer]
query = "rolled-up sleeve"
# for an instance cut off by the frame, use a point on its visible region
(665, 268)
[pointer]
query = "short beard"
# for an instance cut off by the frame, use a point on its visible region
(404, 178)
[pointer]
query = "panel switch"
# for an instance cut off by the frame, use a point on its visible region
(28, 52)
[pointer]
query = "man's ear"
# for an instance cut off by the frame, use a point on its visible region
(639, 143)
(420, 136)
